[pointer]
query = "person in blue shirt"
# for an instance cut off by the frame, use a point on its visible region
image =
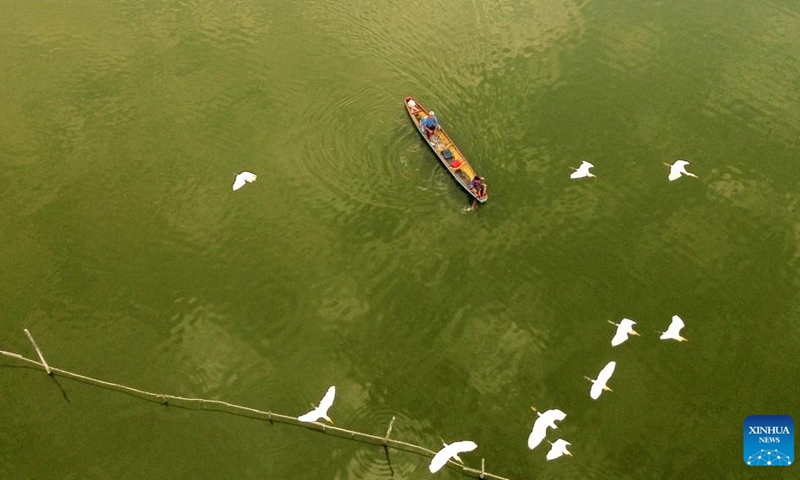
(430, 124)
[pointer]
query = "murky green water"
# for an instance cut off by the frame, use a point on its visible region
(351, 262)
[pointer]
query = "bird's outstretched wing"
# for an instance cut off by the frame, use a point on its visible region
(311, 416)
(554, 415)
(619, 337)
(606, 372)
(539, 431)
(327, 400)
(449, 451)
(249, 176)
(537, 434)
(582, 170)
(674, 330)
(596, 390)
(321, 411)
(624, 328)
(243, 178)
(558, 448)
(599, 384)
(677, 169)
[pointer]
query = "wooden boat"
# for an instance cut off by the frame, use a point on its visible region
(444, 148)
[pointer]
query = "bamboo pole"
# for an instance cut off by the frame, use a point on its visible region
(38, 351)
(201, 403)
(388, 432)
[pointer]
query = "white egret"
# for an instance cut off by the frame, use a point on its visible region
(674, 330)
(242, 178)
(321, 411)
(558, 448)
(599, 384)
(624, 328)
(677, 169)
(546, 419)
(450, 451)
(582, 170)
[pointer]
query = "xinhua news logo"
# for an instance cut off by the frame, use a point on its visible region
(769, 440)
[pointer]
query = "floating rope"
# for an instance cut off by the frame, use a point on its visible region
(272, 417)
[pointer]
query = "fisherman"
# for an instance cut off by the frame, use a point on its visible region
(478, 187)
(430, 124)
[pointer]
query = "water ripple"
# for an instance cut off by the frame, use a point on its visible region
(500, 346)
(372, 462)
(758, 85)
(631, 48)
(210, 356)
(338, 161)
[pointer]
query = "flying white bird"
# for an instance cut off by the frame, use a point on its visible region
(558, 448)
(582, 170)
(624, 328)
(599, 384)
(242, 178)
(546, 419)
(677, 169)
(450, 451)
(674, 330)
(321, 411)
